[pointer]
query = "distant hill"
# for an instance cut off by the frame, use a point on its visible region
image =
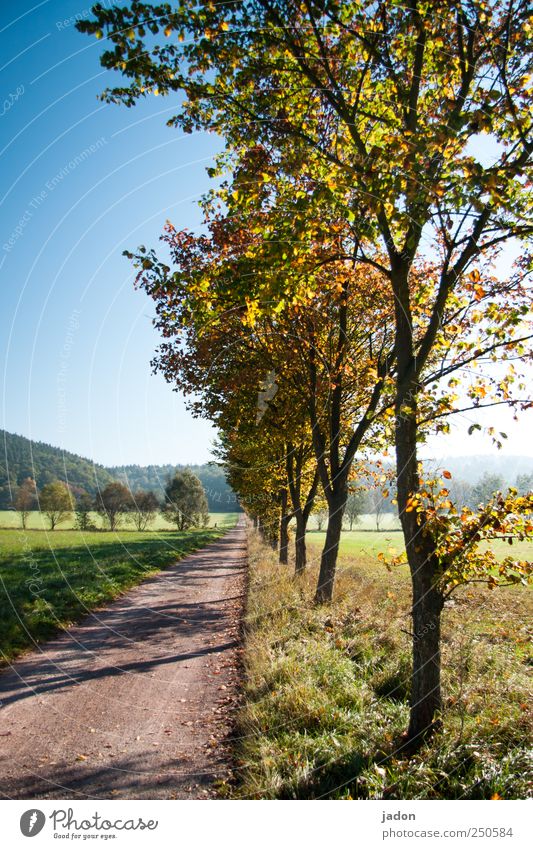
(22, 458)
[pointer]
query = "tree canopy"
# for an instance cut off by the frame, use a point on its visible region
(376, 163)
(185, 501)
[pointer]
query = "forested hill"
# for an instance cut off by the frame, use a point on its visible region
(21, 458)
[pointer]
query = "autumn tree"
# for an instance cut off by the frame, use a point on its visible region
(144, 508)
(462, 533)
(56, 502)
(222, 330)
(26, 500)
(185, 501)
(112, 503)
(272, 468)
(387, 106)
(303, 479)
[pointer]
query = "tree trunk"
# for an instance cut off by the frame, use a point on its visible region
(284, 528)
(425, 684)
(423, 565)
(328, 560)
(272, 531)
(299, 543)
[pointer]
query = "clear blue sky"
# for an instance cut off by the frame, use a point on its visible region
(64, 279)
(82, 181)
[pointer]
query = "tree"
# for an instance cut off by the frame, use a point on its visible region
(385, 104)
(185, 502)
(145, 507)
(56, 502)
(112, 502)
(83, 508)
(461, 493)
(321, 517)
(378, 503)
(485, 488)
(220, 333)
(355, 505)
(524, 483)
(26, 499)
(303, 480)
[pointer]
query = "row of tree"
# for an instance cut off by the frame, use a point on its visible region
(341, 299)
(22, 458)
(368, 499)
(184, 505)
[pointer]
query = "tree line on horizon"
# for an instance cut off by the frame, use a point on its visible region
(23, 458)
(184, 504)
(340, 301)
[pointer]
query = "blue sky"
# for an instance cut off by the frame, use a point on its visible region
(81, 182)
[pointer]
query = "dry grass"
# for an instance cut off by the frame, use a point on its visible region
(327, 689)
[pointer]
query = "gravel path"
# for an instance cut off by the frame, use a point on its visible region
(136, 701)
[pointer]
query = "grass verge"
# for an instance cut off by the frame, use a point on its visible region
(327, 690)
(48, 581)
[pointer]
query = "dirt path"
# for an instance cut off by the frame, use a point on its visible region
(135, 702)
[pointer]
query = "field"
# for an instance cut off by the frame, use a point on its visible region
(49, 580)
(365, 545)
(327, 691)
(38, 522)
(365, 522)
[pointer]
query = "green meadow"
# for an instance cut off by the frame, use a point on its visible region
(49, 580)
(327, 688)
(365, 545)
(38, 522)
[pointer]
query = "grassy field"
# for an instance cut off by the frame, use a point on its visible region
(365, 545)
(49, 580)
(366, 522)
(327, 689)
(38, 522)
